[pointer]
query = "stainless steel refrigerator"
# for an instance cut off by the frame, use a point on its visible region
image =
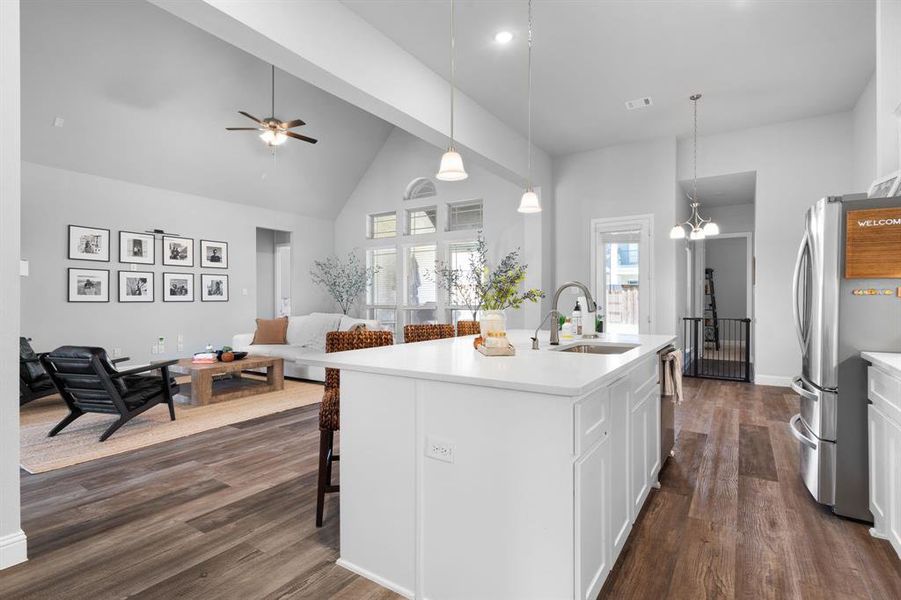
(833, 325)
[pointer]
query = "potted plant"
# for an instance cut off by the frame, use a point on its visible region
(479, 287)
(344, 279)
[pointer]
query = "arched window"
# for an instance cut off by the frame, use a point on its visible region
(421, 187)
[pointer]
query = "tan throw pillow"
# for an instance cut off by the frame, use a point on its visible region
(271, 331)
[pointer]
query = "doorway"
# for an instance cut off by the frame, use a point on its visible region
(273, 273)
(621, 257)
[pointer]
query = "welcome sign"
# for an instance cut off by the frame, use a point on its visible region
(873, 244)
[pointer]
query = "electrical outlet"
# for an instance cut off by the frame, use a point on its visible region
(243, 291)
(439, 449)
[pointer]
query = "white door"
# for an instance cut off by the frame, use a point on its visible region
(592, 560)
(620, 521)
(282, 280)
(638, 454)
(621, 272)
(879, 474)
(892, 452)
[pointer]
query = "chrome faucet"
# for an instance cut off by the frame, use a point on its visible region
(555, 328)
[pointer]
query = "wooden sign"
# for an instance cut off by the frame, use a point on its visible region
(873, 244)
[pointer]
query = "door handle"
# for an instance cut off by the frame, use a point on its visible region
(797, 386)
(793, 424)
(796, 280)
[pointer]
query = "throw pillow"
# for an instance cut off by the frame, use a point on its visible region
(271, 331)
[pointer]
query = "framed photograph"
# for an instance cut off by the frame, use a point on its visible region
(213, 255)
(136, 248)
(88, 285)
(88, 243)
(135, 286)
(213, 288)
(178, 287)
(178, 251)
(886, 186)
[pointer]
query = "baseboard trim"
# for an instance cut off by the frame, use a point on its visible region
(877, 533)
(776, 380)
(13, 549)
(376, 579)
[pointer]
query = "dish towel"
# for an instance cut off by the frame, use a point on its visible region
(672, 375)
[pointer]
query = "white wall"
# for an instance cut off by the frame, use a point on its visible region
(619, 181)
(12, 539)
(404, 158)
(864, 138)
(797, 163)
(728, 259)
(54, 198)
(888, 86)
(737, 218)
(265, 273)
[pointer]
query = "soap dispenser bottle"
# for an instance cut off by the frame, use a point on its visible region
(577, 319)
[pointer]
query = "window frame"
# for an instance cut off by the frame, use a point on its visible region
(451, 206)
(407, 220)
(370, 225)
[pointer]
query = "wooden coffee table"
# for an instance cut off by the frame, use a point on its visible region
(208, 385)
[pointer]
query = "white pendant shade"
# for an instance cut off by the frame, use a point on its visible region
(711, 228)
(451, 168)
(677, 233)
(273, 138)
(529, 203)
(697, 234)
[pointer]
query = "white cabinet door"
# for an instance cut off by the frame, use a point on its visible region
(620, 494)
(879, 474)
(893, 463)
(638, 455)
(591, 512)
(652, 439)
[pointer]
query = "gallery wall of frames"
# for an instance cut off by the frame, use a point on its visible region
(136, 251)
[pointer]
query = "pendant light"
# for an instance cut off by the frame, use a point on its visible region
(699, 227)
(529, 202)
(451, 168)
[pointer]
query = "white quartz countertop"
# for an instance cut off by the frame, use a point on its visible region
(888, 361)
(543, 371)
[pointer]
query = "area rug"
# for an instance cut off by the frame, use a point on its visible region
(78, 443)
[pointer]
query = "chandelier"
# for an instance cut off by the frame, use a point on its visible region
(698, 227)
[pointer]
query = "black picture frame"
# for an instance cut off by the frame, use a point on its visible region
(84, 230)
(205, 263)
(187, 297)
(206, 277)
(166, 251)
(143, 299)
(130, 260)
(72, 286)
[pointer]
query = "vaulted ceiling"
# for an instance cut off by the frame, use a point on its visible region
(755, 61)
(146, 97)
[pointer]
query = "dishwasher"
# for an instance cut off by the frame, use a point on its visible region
(667, 409)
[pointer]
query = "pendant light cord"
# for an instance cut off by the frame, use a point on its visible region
(272, 114)
(694, 198)
(529, 160)
(453, 78)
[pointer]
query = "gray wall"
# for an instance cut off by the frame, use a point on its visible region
(265, 273)
(53, 198)
(728, 256)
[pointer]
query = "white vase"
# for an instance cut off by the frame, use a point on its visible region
(493, 322)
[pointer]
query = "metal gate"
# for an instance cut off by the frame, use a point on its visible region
(716, 348)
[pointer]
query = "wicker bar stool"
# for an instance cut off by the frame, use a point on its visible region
(329, 422)
(468, 328)
(425, 332)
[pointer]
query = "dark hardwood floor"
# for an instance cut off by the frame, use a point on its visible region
(733, 519)
(229, 514)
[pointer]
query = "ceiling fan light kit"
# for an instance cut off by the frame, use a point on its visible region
(529, 203)
(699, 228)
(274, 132)
(451, 167)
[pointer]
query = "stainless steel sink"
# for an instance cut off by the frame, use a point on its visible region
(599, 348)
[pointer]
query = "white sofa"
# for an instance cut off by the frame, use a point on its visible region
(306, 335)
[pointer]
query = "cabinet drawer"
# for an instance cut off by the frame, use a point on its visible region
(591, 416)
(884, 391)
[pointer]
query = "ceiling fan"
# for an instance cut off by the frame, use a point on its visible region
(273, 131)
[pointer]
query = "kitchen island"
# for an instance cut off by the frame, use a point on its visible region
(466, 476)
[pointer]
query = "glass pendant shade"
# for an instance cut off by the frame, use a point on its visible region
(711, 228)
(697, 234)
(529, 203)
(451, 168)
(677, 233)
(273, 138)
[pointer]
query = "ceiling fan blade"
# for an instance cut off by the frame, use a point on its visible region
(242, 128)
(297, 136)
(294, 123)
(250, 116)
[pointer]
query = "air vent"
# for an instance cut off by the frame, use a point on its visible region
(639, 103)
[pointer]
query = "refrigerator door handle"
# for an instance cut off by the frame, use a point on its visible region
(796, 281)
(797, 386)
(793, 425)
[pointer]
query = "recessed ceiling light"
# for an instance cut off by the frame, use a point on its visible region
(503, 37)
